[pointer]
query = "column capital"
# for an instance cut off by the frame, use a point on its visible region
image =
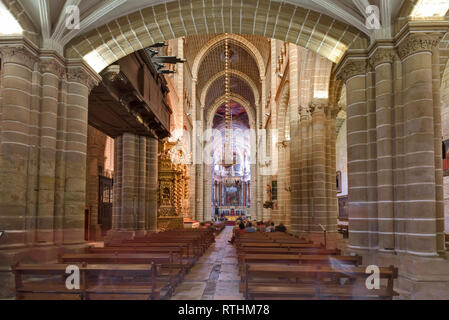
(305, 113)
(18, 54)
(53, 67)
(418, 42)
(318, 105)
(382, 55)
(80, 75)
(352, 68)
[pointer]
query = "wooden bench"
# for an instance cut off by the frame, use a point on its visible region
(275, 281)
(307, 250)
(300, 259)
(172, 267)
(97, 281)
(276, 245)
(189, 260)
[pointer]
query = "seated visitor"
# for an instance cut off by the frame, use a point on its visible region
(240, 230)
(250, 228)
(280, 228)
(270, 227)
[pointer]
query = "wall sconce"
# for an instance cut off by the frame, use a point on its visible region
(268, 114)
(188, 114)
(280, 75)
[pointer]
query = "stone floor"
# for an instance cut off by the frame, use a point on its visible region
(215, 276)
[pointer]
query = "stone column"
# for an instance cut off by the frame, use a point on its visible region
(382, 61)
(318, 166)
(135, 185)
(52, 72)
(296, 150)
(353, 73)
(79, 83)
(17, 200)
(423, 172)
(207, 187)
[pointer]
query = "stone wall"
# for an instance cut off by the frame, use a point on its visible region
(445, 133)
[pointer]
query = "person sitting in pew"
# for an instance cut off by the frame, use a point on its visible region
(240, 230)
(280, 228)
(250, 228)
(270, 227)
(260, 226)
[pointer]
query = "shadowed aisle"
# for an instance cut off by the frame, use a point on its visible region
(215, 275)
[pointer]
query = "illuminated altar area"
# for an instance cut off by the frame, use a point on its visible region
(231, 169)
(231, 178)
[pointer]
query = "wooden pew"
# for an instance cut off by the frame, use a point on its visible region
(276, 245)
(311, 250)
(274, 281)
(97, 281)
(189, 260)
(300, 259)
(172, 267)
(196, 251)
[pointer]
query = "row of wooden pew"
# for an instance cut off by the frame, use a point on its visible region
(283, 266)
(143, 268)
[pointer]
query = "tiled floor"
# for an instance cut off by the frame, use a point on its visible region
(215, 276)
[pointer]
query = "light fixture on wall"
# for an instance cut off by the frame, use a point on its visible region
(268, 114)
(188, 114)
(280, 75)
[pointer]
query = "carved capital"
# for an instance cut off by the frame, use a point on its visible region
(82, 76)
(352, 68)
(305, 113)
(382, 55)
(19, 55)
(318, 105)
(52, 66)
(418, 42)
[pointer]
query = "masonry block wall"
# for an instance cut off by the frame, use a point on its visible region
(43, 145)
(135, 185)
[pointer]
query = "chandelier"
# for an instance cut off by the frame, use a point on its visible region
(228, 156)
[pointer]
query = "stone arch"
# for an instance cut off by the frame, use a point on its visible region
(217, 40)
(174, 19)
(232, 72)
(237, 98)
(19, 13)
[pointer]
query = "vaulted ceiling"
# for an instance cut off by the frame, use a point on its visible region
(48, 16)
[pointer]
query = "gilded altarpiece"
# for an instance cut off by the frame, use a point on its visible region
(173, 197)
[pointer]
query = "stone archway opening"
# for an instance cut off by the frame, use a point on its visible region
(231, 180)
